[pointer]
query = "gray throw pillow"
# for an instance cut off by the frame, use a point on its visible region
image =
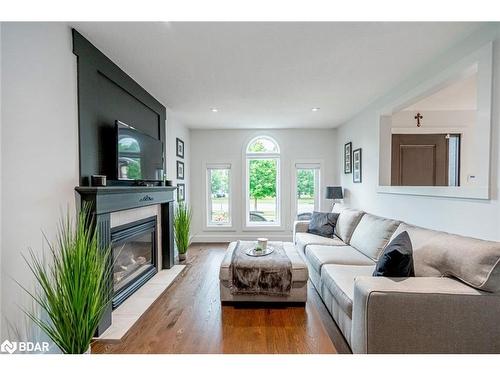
(323, 223)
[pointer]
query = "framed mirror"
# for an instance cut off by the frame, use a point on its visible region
(435, 140)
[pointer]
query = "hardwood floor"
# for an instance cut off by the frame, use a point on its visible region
(189, 318)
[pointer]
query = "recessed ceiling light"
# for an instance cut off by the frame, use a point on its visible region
(214, 110)
(315, 109)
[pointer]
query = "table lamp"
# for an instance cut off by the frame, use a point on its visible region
(334, 193)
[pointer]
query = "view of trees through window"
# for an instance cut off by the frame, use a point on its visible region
(219, 183)
(262, 189)
(306, 189)
(263, 180)
(263, 145)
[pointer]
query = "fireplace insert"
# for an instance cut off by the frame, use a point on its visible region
(134, 257)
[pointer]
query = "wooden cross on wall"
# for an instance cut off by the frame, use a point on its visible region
(419, 117)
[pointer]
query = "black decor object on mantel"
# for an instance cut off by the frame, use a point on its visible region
(98, 180)
(105, 200)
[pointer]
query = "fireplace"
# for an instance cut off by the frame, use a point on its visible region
(113, 209)
(134, 247)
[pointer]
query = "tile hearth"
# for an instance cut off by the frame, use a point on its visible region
(129, 312)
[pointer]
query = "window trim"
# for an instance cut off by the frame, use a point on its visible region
(208, 225)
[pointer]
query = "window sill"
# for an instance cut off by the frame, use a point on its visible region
(264, 228)
(219, 228)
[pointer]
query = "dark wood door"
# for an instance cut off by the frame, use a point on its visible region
(419, 160)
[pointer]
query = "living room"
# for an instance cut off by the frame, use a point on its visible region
(249, 187)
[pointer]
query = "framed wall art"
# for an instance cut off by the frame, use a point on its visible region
(179, 148)
(356, 165)
(348, 158)
(181, 192)
(180, 170)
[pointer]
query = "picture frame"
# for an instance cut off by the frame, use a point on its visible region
(179, 148)
(181, 192)
(180, 170)
(348, 158)
(357, 166)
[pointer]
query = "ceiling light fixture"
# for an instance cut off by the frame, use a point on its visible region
(214, 110)
(315, 109)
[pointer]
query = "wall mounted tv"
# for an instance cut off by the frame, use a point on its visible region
(139, 156)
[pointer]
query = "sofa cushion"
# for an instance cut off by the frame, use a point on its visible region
(372, 234)
(304, 239)
(318, 256)
(339, 279)
(475, 262)
(346, 222)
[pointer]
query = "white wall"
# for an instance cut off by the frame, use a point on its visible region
(434, 119)
(217, 146)
(478, 218)
(175, 129)
(39, 146)
(1, 273)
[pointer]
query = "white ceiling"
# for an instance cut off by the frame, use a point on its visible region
(270, 74)
(458, 96)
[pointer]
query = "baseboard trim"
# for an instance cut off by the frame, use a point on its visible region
(219, 237)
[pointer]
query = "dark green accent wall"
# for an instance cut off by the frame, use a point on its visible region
(105, 94)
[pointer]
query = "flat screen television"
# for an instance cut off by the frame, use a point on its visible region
(139, 156)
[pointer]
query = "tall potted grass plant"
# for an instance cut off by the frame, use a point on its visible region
(182, 228)
(73, 287)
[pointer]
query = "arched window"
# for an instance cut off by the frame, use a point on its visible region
(262, 182)
(263, 144)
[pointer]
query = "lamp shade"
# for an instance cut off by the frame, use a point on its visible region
(334, 192)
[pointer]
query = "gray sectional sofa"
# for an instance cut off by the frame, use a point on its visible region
(451, 306)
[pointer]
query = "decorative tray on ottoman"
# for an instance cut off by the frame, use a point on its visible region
(260, 253)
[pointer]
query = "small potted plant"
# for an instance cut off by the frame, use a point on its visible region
(182, 229)
(73, 288)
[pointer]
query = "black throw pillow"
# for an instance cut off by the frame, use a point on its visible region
(397, 259)
(323, 223)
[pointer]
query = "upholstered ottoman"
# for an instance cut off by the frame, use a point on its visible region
(298, 292)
